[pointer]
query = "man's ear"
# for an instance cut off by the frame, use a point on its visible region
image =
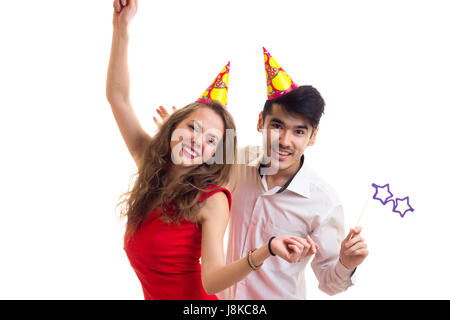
(260, 122)
(312, 140)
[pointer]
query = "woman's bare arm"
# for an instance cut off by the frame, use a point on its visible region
(216, 275)
(118, 80)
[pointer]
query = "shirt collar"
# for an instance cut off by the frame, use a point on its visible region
(299, 184)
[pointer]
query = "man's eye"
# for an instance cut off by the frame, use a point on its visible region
(276, 126)
(299, 131)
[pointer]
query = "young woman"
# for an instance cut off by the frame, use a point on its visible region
(177, 211)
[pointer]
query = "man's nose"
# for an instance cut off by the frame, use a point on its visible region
(284, 139)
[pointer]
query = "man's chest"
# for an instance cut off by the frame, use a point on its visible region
(273, 213)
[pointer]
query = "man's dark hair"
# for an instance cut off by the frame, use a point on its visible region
(304, 100)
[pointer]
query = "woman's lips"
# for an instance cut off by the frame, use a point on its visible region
(189, 152)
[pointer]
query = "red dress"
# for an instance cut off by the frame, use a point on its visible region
(166, 257)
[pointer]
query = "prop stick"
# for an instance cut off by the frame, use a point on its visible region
(361, 214)
(362, 211)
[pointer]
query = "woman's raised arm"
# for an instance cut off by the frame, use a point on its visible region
(118, 80)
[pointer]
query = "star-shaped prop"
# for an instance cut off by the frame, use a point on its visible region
(402, 204)
(384, 195)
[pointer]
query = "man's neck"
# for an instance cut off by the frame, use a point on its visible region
(283, 176)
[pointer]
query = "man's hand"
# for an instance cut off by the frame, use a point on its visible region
(293, 249)
(124, 11)
(162, 112)
(353, 249)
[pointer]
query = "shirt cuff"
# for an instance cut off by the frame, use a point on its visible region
(345, 273)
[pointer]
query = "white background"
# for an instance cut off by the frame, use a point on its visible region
(383, 68)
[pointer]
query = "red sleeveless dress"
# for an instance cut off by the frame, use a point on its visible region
(166, 257)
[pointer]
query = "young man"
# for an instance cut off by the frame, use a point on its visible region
(293, 200)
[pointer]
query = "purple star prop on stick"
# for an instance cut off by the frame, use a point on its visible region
(401, 203)
(398, 203)
(383, 189)
(384, 195)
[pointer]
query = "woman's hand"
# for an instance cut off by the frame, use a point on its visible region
(124, 11)
(293, 249)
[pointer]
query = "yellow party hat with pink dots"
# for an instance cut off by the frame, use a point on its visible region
(218, 90)
(278, 82)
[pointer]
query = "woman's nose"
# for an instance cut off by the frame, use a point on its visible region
(197, 140)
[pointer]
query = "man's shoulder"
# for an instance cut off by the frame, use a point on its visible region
(249, 155)
(246, 163)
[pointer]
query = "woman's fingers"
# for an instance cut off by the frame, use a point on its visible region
(308, 245)
(120, 4)
(302, 244)
(306, 250)
(314, 245)
(297, 253)
(117, 6)
(294, 249)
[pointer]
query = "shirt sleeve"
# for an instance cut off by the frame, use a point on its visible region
(332, 275)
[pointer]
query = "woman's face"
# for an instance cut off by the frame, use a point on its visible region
(195, 139)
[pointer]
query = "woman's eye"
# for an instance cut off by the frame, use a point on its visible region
(212, 141)
(194, 128)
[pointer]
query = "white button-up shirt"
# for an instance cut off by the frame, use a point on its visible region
(308, 206)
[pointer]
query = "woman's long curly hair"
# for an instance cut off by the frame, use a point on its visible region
(151, 190)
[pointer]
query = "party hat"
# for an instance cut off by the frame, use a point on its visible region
(278, 82)
(218, 89)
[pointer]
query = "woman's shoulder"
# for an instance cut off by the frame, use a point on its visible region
(215, 190)
(216, 201)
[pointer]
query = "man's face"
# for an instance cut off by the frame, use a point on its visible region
(293, 133)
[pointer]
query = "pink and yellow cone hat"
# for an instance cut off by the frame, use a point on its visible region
(278, 82)
(218, 90)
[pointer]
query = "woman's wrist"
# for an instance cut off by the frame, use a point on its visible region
(120, 30)
(260, 255)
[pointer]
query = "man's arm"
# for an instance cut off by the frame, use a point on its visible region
(332, 275)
